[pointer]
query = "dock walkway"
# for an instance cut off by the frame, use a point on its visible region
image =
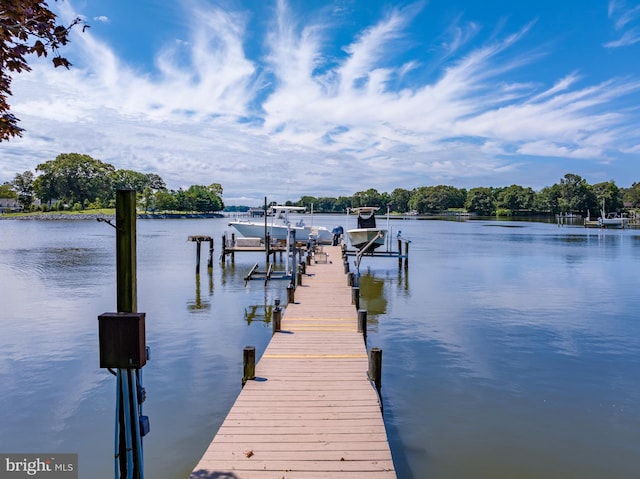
(311, 412)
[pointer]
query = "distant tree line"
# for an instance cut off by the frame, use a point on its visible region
(572, 195)
(75, 181)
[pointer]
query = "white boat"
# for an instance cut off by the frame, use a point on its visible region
(278, 225)
(367, 233)
(611, 220)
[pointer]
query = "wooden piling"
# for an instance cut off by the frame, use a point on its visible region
(249, 364)
(290, 294)
(276, 321)
(362, 323)
(355, 296)
(375, 367)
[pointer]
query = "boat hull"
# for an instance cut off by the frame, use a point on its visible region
(280, 232)
(360, 237)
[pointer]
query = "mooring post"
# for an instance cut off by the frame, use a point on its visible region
(233, 244)
(223, 253)
(197, 256)
(298, 275)
(210, 262)
(249, 364)
(399, 252)
(346, 265)
(130, 419)
(355, 296)
(375, 367)
(277, 317)
(362, 323)
(351, 280)
(406, 254)
(290, 293)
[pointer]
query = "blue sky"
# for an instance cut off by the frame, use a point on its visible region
(285, 98)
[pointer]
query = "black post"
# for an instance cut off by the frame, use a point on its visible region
(197, 257)
(277, 317)
(355, 296)
(127, 302)
(375, 367)
(362, 323)
(210, 262)
(249, 364)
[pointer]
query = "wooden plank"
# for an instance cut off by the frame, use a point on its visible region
(311, 412)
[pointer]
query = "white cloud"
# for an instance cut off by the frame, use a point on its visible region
(308, 123)
(625, 21)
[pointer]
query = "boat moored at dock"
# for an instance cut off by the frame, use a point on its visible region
(367, 235)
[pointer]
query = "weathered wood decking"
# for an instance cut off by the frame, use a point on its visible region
(311, 412)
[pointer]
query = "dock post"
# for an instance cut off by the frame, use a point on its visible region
(406, 254)
(351, 279)
(298, 275)
(346, 265)
(277, 317)
(248, 364)
(375, 367)
(128, 410)
(290, 293)
(399, 253)
(308, 258)
(210, 262)
(223, 254)
(233, 243)
(197, 257)
(362, 323)
(355, 296)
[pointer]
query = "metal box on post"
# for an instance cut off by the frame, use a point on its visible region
(122, 340)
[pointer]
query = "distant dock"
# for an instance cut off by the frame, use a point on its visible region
(311, 410)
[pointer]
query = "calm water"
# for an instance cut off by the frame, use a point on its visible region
(511, 350)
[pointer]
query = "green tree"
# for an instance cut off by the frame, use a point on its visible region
(399, 199)
(515, 198)
(481, 201)
(27, 27)
(165, 201)
(204, 198)
(576, 196)
(7, 191)
(547, 199)
(632, 195)
(73, 178)
(370, 197)
(23, 185)
(610, 194)
(436, 199)
(128, 180)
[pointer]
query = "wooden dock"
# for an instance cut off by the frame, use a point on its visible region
(311, 411)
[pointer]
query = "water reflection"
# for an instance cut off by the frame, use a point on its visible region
(199, 304)
(259, 312)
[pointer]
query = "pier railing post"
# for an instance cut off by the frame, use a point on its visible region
(290, 294)
(277, 317)
(375, 367)
(198, 257)
(210, 262)
(248, 364)
(298, 275)
(355, 296)
(362, 323)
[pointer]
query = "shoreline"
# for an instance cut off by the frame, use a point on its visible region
(97, 216)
